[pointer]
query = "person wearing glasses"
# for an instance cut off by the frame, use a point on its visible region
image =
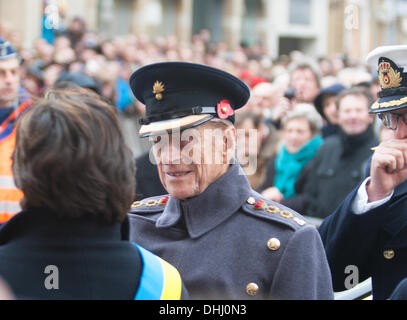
(367, 233)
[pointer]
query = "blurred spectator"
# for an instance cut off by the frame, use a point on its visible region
(326, 67)
(257, 142)
(79, 79)
(52, 20)
(251, 79)
(51, 74)
(301, 140)
(44, 53)
(349, 77)
(305, 80)
(338, 166)
(325, 104)
(33, 82)
(304, 87)
(264, 96)
(76, 31)
(13, 103)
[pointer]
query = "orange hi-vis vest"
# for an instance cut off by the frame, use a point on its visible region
(10, 196)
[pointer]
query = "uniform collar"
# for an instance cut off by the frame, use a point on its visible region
(216, 204)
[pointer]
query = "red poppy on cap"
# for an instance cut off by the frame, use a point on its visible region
(224, 110)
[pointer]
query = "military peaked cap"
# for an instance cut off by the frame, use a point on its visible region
(181, 95)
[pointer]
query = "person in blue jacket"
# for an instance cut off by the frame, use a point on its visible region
(77, 176)
(368, 231)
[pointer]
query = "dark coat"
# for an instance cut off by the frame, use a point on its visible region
(221, 241)
(86, 259)
(336, 170)
(375, 242)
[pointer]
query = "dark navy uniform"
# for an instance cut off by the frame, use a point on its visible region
(231, 243)
(44, 257)
(374, 238)
(375, 242)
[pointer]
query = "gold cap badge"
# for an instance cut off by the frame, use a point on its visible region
(388, 77)
(158, 88)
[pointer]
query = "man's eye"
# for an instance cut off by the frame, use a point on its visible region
(187, 139)
(157, 139)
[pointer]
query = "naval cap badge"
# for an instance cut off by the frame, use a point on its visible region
(388, 77)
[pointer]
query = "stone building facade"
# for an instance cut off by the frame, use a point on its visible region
(316, 27)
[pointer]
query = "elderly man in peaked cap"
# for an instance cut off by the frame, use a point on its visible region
(369, 229)
(227, 241)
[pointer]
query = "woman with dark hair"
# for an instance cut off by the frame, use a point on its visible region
(77, 176)
(325, 104)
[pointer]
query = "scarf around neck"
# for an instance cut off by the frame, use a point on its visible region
(289, 165)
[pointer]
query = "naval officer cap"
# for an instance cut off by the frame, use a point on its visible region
(182, 95)
(391, 65)
(7, 51)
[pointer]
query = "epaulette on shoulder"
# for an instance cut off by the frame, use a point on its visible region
(152, 204)
(266, 209)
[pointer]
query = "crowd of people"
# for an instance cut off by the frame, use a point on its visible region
(312, 146)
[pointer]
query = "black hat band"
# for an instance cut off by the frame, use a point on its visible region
(393, 92)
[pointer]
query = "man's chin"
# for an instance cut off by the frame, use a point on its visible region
(181, 196)
(6, 101)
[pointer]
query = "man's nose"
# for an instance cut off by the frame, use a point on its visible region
(171, 154)
(353, 115)
(9, 77)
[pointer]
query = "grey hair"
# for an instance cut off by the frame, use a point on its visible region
(305, 111)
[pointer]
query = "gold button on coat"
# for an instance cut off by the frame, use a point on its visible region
(388, 254)
(252, 289)
(273, 244)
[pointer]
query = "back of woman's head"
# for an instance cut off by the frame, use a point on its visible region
(71, 157)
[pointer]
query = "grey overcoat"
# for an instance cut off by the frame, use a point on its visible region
(231, 243)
